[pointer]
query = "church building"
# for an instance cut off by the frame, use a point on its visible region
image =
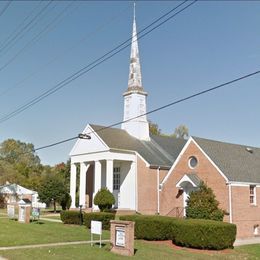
(155, 174)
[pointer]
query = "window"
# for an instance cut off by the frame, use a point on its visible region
(116, 178)
(252, 194)
(193, 162)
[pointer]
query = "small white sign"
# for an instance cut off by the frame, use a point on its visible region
(120, 237)
(96, 227)
(10, 211)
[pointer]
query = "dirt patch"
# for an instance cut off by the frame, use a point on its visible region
(193, 250)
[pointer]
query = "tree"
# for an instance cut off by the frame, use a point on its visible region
(181, 131)
(202, 204)
(154, 128)
(52, 189)
(65, 201)
(104, 199)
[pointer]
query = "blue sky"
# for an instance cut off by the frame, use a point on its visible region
(206, 45)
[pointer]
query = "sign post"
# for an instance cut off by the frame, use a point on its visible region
(96, 228)
(122, 237)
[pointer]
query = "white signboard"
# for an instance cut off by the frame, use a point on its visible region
(120, 237)
(10, 211)
(96, 227)
(21, 214)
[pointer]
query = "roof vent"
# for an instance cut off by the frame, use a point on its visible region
(250, 150)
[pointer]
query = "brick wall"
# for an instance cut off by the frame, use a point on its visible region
(172, 197)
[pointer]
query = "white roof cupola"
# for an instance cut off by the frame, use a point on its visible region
(135, 96)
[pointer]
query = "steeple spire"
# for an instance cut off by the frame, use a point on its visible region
(135, 120)
(135, 76)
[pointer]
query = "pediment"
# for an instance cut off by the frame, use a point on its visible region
(86, 146)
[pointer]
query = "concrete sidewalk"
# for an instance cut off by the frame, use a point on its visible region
(247, 241)
(50, 245)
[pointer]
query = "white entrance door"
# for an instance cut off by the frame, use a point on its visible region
(186, 194)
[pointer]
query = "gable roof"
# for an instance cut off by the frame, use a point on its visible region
(159, 151)
(239, 163)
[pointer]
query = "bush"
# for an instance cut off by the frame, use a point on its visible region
(204, 234)
(195, 233)
(104, 217)
(104, 199)
(2, 201)
(71, 217)
(151, 227)
(65, 201)
(202, 204)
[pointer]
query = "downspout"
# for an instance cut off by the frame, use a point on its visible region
(158, 190)
(230, 202)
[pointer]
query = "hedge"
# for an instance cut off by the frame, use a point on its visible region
(70, 217)
(151, 227)
(104, 217)
(195, 233)
(204, 234)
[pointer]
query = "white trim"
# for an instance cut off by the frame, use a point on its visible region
(158, 190)
(185, 178)
(230, 203)
(243, 184)
(136, 184)
(176, 162)
(204, 153)
(142, 158)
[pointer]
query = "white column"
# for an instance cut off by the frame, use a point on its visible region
(82, 186)
(109, 177)
(73, 176)
(97, 181)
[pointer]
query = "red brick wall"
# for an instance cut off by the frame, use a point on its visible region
(170, 195)
(245, 216)
(147, 187)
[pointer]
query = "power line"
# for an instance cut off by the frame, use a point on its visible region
(47, 28)
(83, 39)
(95, 63)
(24, 29)
(159, 108)
(5, 8)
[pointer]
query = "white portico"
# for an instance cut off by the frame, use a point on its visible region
(95, 165)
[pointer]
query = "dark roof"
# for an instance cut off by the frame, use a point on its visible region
(194, 178)
(159, 151)
(239, 163)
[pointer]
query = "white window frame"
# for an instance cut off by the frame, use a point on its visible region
(252, 195)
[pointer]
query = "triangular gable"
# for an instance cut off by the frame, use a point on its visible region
(193, 179)
(182, 152)
(93, 145)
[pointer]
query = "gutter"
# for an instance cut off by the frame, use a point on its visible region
(230, 202)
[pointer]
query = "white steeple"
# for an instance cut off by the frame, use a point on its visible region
(135, 96)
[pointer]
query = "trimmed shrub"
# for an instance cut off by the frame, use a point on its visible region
(195, 233)
(202, 204)
(70, 217)
(104, 199)
(151, 227)
(203, 234)
(104, 217)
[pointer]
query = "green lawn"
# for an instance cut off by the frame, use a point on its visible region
(14, 233)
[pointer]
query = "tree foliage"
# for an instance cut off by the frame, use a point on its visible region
(104, 199)
(202, 204)
(52, 189)
(181, 131)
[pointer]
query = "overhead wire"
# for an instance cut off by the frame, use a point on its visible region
(54, 58)
(5, 8)
(47, 28)
(95, 63)
(25, 29)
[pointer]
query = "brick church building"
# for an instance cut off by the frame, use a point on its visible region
(155, 174)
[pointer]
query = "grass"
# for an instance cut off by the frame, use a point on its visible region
(144, 250)
(14, 233)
